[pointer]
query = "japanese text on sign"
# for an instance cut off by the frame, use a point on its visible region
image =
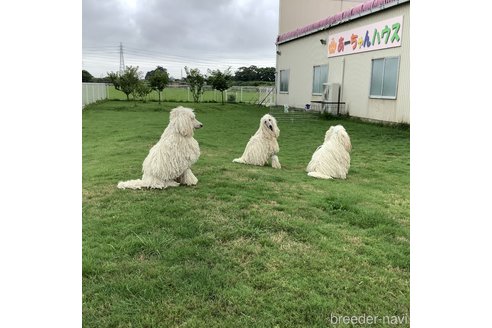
(380, 35)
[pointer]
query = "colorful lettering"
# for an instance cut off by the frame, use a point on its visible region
(376, 35)
(353, 40)
(396, 29)
(340, 44)
(379, 35)
(332, 46)
(367, 43)
(386, 31)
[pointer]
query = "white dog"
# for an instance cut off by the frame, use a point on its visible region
(332, 158)
(169, 161)
(263, 145)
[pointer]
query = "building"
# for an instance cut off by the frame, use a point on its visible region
(360, 54)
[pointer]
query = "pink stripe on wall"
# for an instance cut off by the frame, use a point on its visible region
(331, 20)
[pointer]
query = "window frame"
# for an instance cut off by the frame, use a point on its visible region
(322, 87)
(382, 78)
(280, 80)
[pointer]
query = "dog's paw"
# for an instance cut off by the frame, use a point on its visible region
(276, 165)
(171, 184)
(276, 162)
(319, 175)
(187, 178)
(190, 182)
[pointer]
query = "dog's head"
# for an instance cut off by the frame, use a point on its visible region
(268, 124)
(184, 121)
(339, 135)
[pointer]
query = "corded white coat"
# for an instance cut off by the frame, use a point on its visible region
(169, 162)
(263, 145)
(332, 158)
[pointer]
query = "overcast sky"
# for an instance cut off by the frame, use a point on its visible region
(173, 34)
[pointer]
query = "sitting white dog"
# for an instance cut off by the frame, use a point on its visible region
(263, 145)
(332, 158)
(169, 161)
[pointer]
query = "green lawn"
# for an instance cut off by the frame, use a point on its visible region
(248, 246)
(248, 95)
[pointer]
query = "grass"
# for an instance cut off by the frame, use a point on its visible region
(182, 94)
(248, 246)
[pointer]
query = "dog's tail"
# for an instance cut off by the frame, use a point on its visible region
(132, 184)
(319, 175)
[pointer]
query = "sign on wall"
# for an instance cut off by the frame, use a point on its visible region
(381, 35)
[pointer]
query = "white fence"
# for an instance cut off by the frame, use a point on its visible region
(92, 92)
(236, 94)
(266, 96)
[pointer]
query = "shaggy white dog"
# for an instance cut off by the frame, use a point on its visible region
(332, 158)
(169, 161)
(263, 145)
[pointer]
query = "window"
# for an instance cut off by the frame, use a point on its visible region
(384, 77)
(284, 81)
(320, 76)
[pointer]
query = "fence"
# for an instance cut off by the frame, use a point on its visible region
(292, 115)
(92, 92)
(267, 96)
(243, 94)
(311, 111)
(331, 107)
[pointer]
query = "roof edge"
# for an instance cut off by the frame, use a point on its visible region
(364, 9)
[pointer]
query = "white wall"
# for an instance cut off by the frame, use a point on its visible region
(298, 13)
(300, 55)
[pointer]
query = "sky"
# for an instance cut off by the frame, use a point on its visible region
(213, 34)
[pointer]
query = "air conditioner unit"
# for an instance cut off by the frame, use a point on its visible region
(331, 91)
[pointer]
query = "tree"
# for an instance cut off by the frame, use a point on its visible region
(158, 79)
(196, 81)
(142, 90)
(266, 74)
(220, 80)
(126, 82)
(246, 73)
(101, 80)
(86, 76)
(254, 73)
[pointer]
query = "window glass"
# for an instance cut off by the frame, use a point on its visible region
(384, 77)
(390, 77)
(377, 77)
(284, 81)
(320, 76)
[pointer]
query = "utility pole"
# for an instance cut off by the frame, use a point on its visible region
(122, 60)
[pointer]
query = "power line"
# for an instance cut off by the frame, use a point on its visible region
(108, 55)
(204, 58)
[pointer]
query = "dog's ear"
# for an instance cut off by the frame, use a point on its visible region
(329, 133)
(174, 112)
(276, 130)
(183, 123)
(172, 115)
(344, 139)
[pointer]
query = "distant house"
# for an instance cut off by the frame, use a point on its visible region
(361, 54)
